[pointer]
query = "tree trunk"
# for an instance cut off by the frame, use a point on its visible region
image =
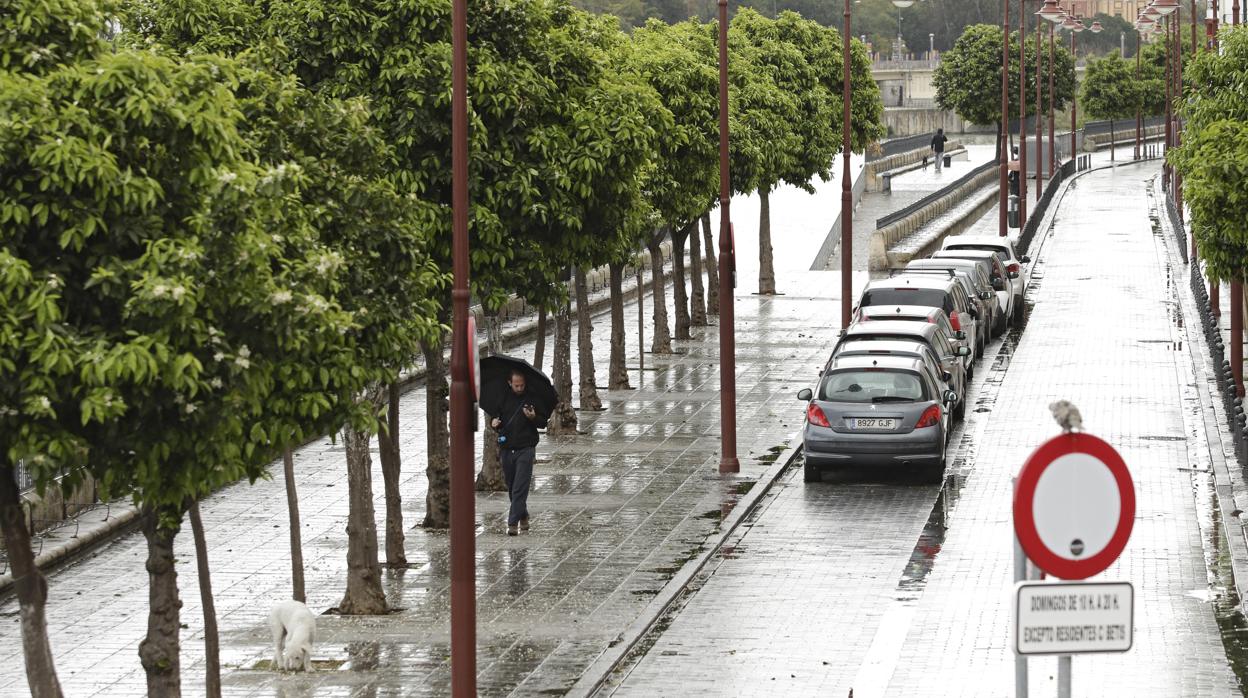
(212, 641)
(31, 589)
(491, 479)
(541, 339)
(158, 652)
(662, 342)
(697, 299)
(563, 420)
(712, 268)
(766, 260)
(438, 438)
(678, 281)
(296, 533)
(618, 372)
(364, 596)
(585, 345)
(391, 467)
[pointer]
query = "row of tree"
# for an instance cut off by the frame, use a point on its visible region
(968, 79)
(1213, 157)
(225, 230)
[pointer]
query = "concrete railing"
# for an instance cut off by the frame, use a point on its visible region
(885, 237)
(1096, 141)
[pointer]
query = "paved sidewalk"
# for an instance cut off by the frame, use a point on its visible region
(617, 510)
(1122, 366)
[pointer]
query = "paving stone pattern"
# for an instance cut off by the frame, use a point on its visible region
(616, 511)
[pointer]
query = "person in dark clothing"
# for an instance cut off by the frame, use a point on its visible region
(516, 425)
(938, 145)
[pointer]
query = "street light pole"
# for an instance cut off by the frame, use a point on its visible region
(463, 530)
(1003, 197)
(1138, 116)
(1022, 113)
(847, 198)
(1039, 122)
(1237, 298)
(1052, 136)
(728, 462)
(1074, 100)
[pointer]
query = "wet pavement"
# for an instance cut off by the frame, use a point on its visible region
(891, 588)
(616, 511)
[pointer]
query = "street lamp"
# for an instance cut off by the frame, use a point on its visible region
(847, 197)
(1052, 13)
(1095, 28)
(901, 5)
(1075, 26)
(728, 462)
(1003, 147)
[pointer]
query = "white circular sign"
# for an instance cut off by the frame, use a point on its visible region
(1076, 506)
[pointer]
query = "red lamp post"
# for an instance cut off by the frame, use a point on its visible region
(1075, 26)
(463, 532)
(1022, 113)
(1039, 123)
(1003, 197)
(728, 462)
(847, 199)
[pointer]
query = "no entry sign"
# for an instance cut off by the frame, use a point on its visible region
(1074, 506)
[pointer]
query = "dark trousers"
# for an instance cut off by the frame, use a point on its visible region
(518, 472)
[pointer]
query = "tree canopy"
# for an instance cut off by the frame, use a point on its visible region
(1213, 157)
(1110, 90)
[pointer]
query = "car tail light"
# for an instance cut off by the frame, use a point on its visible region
(1012, 268)
(815, 416)
(929, 418)
(955, 322)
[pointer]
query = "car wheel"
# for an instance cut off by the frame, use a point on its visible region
(811, 473)
(959, 412)
(1018, 312)
(935, 474)
(998, 326)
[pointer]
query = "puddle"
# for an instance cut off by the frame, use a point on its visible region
(1232, 624)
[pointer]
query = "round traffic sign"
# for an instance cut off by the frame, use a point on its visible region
(1074, 506)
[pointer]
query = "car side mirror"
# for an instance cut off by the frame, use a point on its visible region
(959, 335)
(985, 295)
(950, 397)
(804, 394)
(998, 284)
(1013, 275)
(946, 376)
(1025, 259)
(963, 351)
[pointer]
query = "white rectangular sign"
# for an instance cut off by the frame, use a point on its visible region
(1073, 617)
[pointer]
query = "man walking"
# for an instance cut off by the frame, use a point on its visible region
(938, 146)
(516, 425)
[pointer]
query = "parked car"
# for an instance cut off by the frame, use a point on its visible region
(934, 291)
(901, 347)
(976, 285)
(876, 411)
(951, 358)
(913, 313)
(1001, 282)
(1005, 250)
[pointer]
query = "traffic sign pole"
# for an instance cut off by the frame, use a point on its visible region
(1020, 575)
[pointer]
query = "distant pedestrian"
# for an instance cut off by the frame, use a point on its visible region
(516, 424)
(938, 146)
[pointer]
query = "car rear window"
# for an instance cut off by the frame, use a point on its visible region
(871, 385)
(931, 297)
(985, 248)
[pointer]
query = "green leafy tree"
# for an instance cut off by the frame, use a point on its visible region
(968, 79)
(1110, 91)
(1213, 152)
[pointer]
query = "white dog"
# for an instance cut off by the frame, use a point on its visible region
(294, 631)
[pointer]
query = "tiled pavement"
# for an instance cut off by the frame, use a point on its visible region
(817, 596)
(616, 511)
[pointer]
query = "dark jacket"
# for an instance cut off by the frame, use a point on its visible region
(938, 142)
(521, 432)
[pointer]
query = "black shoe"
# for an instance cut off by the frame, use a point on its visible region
(524, 524)
(511, 530)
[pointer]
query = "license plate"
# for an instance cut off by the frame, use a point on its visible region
(872, 423)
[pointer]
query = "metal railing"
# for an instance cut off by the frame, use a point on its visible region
(25, 481)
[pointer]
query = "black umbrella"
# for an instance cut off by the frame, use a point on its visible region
(496, 374)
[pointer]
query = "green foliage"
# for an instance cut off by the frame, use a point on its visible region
(191, 251)
(968, 80)
(1110, 90)
(1213, 156)
(39, 36)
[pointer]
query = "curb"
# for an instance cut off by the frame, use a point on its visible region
(599, 671)
(81, 544)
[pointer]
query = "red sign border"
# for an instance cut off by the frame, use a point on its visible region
(1025, 493)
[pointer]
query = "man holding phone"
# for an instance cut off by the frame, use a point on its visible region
(516, 427)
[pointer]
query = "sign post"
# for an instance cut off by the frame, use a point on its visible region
(1074, 508)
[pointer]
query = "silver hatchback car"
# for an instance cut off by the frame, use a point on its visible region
(877, 411)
